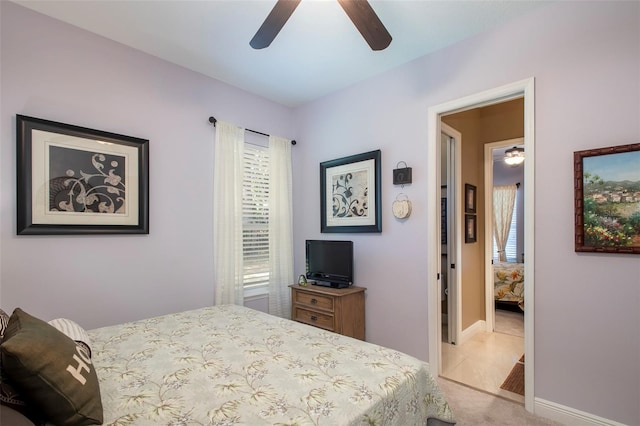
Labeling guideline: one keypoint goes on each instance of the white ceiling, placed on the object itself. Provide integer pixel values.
(318, 51)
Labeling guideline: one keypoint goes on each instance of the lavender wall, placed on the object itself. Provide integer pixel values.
(585, 58)
(54, 71)
(586, 61)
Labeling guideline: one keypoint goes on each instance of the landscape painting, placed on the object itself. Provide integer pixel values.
(608, 199)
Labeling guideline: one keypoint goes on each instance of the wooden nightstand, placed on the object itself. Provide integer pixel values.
(340, 310)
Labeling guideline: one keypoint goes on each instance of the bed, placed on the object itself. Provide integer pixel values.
(231, 365)
(508, 284)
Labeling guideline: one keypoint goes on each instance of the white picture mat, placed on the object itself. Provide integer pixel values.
(41, 141)
(367, 166)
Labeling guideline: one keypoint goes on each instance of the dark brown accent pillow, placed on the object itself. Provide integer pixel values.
(48, 369)
(10, 398)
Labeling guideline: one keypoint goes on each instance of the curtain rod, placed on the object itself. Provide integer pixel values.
(213, 121)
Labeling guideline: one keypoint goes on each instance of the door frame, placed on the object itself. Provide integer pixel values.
(523, 88)
(488, 227)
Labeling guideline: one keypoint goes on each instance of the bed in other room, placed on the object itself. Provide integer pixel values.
(508, 284)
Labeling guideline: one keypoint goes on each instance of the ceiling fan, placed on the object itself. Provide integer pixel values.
(359, 11)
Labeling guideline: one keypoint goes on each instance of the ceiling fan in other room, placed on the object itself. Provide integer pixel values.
(359, 11)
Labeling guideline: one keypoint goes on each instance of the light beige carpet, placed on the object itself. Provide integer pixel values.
(475, 408)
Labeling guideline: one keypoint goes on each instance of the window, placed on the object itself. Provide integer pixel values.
(255, 224)
(512, 246)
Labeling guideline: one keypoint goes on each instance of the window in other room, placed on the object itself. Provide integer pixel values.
(512, 246)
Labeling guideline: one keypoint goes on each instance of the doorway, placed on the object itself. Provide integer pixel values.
(522, 89)
(484, 356)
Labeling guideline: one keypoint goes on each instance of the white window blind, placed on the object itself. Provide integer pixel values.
(255, 213)
(512, 247)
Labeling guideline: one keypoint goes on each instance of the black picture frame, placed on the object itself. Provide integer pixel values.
(607, 199)
(351, 194)
(76, 180)
(469, 198)
(470, 228)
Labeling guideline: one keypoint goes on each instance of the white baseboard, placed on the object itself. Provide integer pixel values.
(569, 416)
(472, 330)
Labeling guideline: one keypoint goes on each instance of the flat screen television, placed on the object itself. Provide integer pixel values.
(329, 263)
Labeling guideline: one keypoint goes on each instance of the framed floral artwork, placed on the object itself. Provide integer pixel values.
(350, 194)
(75, 180)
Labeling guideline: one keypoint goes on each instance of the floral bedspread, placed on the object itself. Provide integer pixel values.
(230, 365)
(508, 282)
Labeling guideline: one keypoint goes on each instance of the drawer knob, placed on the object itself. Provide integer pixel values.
(314, 318)
(314, 301)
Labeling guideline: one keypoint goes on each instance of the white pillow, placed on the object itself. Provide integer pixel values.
(74, 331)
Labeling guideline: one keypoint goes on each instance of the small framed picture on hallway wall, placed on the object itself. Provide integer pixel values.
(470, 228)
(469, 198)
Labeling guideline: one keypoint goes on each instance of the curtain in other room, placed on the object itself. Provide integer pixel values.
(227, 214)
(504, 197)
(280, 227)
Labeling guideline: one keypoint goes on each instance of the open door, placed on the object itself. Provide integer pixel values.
(450, 229)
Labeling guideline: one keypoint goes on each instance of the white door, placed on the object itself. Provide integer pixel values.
(450, 142)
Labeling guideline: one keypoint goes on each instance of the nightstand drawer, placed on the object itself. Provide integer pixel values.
(314, 300)
(313, 318)
(340, 310)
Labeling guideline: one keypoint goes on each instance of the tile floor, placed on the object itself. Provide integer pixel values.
(484, 361)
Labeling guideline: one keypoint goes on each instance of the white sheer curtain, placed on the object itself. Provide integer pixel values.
(280, 227)
(227, 214)
(504, 197)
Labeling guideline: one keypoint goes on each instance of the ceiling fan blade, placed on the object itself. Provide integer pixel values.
(367, 22)
(273, 23)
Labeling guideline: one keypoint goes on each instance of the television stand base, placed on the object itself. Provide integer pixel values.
(328, 284)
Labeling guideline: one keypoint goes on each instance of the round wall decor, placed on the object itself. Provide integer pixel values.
(401, 208)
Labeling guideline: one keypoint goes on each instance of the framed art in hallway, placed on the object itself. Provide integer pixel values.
(350, 194)
(469, 198)
(607, 199)
(75, 180)
(470, 228)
